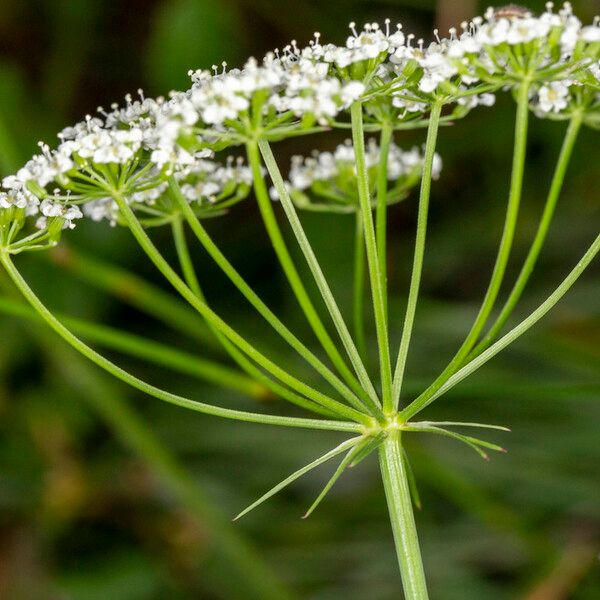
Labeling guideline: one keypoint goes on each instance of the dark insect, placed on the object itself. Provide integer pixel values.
(512, 11)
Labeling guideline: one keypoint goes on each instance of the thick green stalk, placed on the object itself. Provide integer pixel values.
(415, 280)
(397, 492)
(255, 301)
(358, 304)
(283, 255)
(246, 364)
(213, 319)
(420, 403)
(512, 213)
(377, 291)
(381, 215)
(151, 390)
(321, 281)
(540, 236)
(149, 350)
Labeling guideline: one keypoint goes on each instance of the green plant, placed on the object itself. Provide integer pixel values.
(151, 164)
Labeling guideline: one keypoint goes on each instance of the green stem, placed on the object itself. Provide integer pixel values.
(214, 320)
(512, 212)
(185, 260)
(151, 390)
(311, 259)
(379, 302)
(415, 281)
(397, 492)
(283, 255)
(540, 236)
(247, 365)
(382, 207)
(216, 254)
(420, 403)
(359, 287)
(149, 350)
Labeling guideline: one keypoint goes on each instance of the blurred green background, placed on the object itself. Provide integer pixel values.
(106, 494)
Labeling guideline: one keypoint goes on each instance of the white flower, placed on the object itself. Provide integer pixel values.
(370, 43)
(494, 33)
(13, 199)
(350, 92)
(220, 100)
(475, 100)
(437, 68)
(590, 34)
(553, 97)
(410, 106)
(526, 30)
(49, 210)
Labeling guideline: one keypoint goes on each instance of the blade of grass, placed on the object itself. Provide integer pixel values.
(148, 350)
(107, 402)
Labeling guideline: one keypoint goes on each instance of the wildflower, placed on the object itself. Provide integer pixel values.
(553, 97)
(61, 214)
(327, 180)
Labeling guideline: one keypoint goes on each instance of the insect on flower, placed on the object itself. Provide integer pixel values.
(512, 11)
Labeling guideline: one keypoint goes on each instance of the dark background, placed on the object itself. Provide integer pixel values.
(86, 510)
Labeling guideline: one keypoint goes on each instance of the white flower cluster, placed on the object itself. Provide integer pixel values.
(305, 89)
(17, 202)
(207, 185)
(502, 47)
(331, 176)
(299, 90)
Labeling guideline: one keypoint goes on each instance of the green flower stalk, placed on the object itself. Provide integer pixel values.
(156, 163)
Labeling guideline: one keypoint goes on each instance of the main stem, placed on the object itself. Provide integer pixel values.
(415, 280)
(397, 492)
